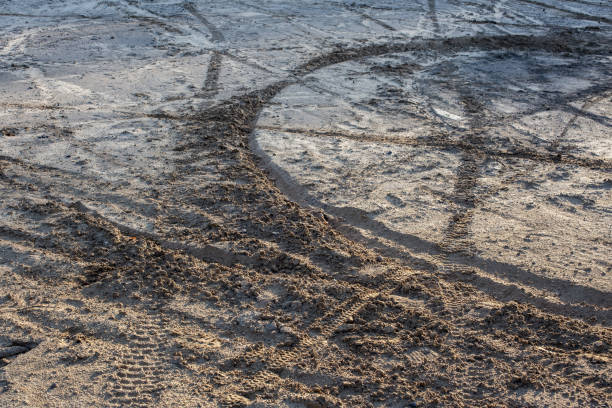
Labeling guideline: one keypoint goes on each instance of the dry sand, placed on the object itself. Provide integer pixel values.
(305, 204)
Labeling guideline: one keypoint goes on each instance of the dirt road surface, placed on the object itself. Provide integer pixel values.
(305, 204)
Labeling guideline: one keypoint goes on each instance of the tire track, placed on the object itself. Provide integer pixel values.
(464, 194)
(142, 374)
(210, 87)
(590, 3)
(474, 151)
(442, 141)
(328, 324)
(284, 361)
(348, 54)
(505, 24)
(267, 363)
(576, 14)
(368, 17)
(140, 366)
(143, 360)
(433, 15)
(77, 16)
(216, 35)
(211, 83)
(570, 123)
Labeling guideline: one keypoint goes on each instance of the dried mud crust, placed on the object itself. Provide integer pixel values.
(278, 306)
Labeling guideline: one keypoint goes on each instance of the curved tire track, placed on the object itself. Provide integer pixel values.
(458, 229)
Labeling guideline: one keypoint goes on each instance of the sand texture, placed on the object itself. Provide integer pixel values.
(290, 203)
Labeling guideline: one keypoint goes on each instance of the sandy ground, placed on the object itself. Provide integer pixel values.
(305, 204)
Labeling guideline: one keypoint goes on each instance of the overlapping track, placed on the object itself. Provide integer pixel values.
(292, 311)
